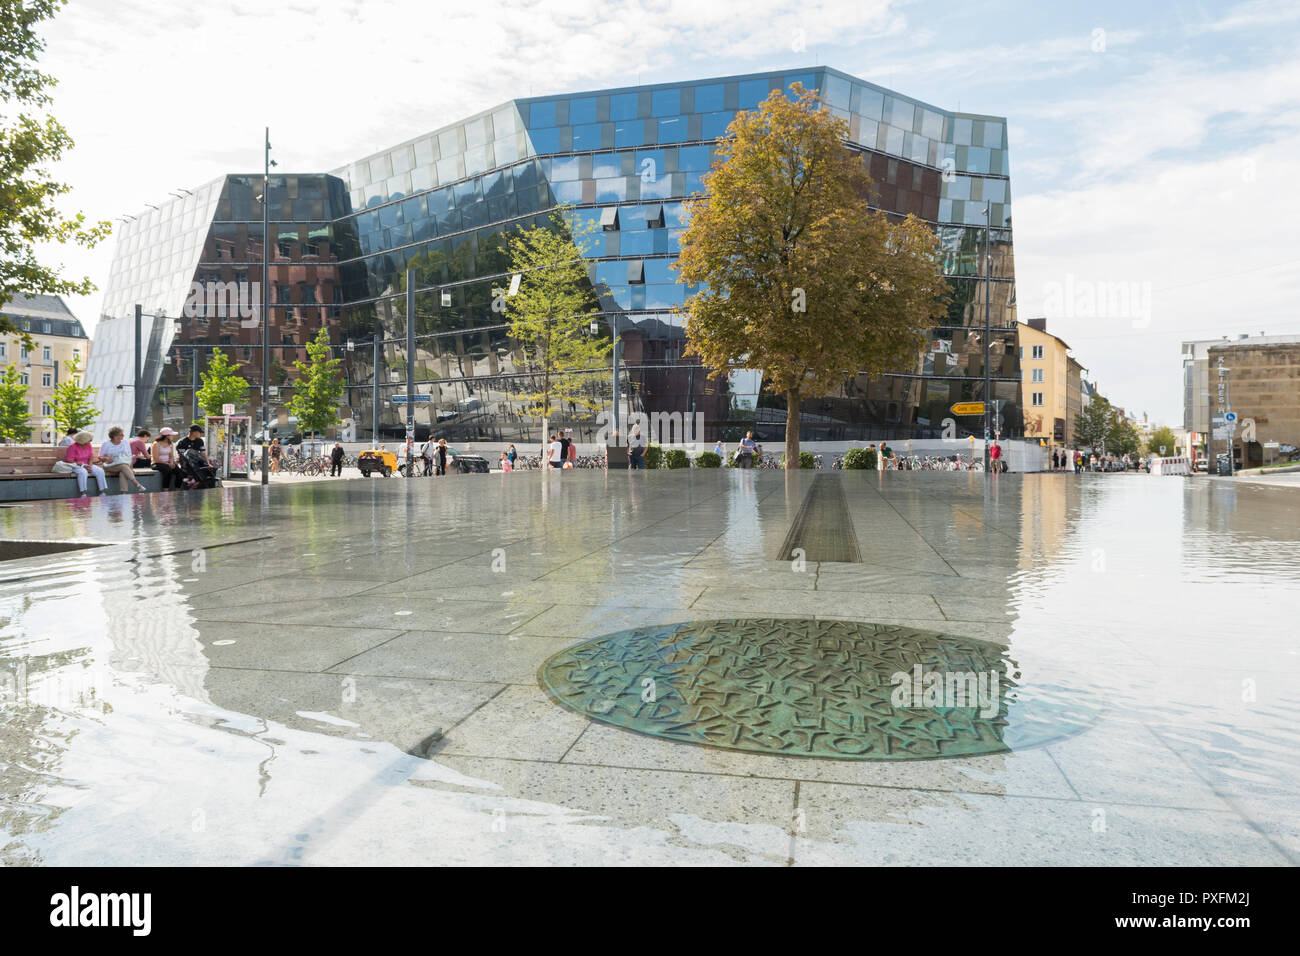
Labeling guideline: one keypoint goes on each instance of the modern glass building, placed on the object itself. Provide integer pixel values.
(627, 161)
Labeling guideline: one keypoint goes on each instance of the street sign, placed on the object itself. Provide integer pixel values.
(419, 399)
(227, 410)
(1220, 434)
(1230, 416)
(1162, 449)
(968, 408)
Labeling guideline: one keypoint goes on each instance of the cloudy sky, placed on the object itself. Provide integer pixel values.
(1155, 146)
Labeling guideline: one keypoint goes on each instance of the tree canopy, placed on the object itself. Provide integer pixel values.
(222, 385)
(799, 278)
(71, 402)
(14, 414)
(31, 140)
(319, 387)
(550, 316)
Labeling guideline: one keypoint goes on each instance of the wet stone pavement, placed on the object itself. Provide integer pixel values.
(334, 673)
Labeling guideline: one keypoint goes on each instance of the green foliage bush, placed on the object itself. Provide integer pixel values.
(708, 459)
(806, 460)
(676, 458)
(654, 456)
(860, 459)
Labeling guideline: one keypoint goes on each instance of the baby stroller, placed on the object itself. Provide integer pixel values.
(196, 472)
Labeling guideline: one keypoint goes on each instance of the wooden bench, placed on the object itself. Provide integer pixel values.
(26, 474)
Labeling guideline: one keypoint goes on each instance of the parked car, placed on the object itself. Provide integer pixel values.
(1200, 464)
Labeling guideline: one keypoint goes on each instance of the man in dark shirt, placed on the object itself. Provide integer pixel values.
(336, 461)
(194, 440)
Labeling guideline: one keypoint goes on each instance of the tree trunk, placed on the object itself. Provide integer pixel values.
(791, 430)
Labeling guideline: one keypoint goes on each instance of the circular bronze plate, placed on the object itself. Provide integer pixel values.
(800, 688)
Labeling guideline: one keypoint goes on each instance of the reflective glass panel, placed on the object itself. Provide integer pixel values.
(708, 99)
(665, 102)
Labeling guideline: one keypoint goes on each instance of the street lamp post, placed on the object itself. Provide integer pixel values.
(613, 333)
(410, 369)
(266, 300)
(988, 327)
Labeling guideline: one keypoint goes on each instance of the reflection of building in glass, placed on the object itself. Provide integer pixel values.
(626, 160)
(60, 341)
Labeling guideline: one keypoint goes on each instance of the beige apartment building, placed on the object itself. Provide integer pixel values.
(59, 339)
(1050, 384)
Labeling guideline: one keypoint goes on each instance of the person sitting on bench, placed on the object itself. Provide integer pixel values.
(79, 461)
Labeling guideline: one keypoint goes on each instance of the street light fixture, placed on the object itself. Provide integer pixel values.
(266, 300)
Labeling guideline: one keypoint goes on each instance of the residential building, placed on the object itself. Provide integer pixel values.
(59, 341)
(1051, 393)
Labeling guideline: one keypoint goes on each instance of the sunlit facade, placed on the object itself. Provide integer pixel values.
(626, 160)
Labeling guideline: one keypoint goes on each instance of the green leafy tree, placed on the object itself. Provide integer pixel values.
(551, 315)
(1163, 435)
(1093, 423)
(799, 277)
(31, 141)
(222, 385)
(72, 401)
(1122, 436)
(13, 407)
(319, 388)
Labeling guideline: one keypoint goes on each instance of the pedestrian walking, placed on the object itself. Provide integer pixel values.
(276, 453)
(635, 449)
(745, 453)
(336, 460)
(426, 456)
(555, 453)
(441, 456)
(512, 455)
(506, 464)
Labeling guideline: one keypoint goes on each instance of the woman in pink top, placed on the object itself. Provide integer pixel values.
(80, 460)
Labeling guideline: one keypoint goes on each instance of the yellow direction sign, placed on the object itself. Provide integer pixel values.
(968, 408)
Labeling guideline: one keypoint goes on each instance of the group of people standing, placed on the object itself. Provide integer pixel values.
(435, 456)
(562, 452)
(1064, 459)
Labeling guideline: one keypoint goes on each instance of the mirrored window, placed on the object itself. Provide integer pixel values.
(708, 99)
(586, 137)
(628, 133)
(753, 92)
(622, 106)
(672, 130)
(715, 124)
(665, 102)
(541, 115)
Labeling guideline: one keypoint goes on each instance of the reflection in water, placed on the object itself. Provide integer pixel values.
(1162, 608)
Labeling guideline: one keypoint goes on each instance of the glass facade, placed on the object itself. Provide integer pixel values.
(627, 161)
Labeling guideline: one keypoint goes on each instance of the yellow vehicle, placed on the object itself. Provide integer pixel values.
(377, 460)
